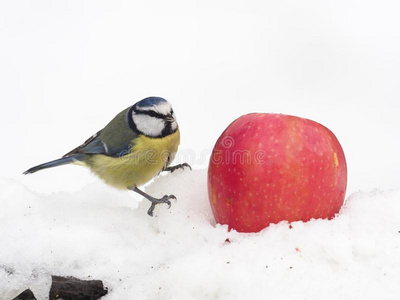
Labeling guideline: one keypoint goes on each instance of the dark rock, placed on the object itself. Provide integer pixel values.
(70, 288)
(25, 295)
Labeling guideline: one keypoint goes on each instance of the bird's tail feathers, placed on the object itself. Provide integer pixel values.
(54, 163)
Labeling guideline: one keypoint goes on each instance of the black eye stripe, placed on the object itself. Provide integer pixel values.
(150, 113)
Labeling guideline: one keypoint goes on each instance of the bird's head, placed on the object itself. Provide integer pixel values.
(153, 117)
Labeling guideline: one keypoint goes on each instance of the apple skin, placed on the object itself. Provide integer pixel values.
(267, 168)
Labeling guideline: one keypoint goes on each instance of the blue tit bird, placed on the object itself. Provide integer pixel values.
(137, 145)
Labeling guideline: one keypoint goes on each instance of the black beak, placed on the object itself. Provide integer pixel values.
(169, 118)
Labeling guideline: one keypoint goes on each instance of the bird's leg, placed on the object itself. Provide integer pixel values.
(180, 166)
(154, 201)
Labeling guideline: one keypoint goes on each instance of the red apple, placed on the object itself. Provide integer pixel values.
(266, 168)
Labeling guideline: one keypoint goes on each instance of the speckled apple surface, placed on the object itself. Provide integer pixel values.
(267, 168)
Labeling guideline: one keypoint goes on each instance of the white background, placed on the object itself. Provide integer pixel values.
(67, 67)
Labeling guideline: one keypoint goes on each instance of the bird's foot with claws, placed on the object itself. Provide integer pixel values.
(180, 166)
(155, 201)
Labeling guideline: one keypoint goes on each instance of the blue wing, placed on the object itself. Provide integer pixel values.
(116, 139)
(92, 145)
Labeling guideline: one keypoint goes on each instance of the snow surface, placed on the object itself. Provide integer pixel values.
(102, 233)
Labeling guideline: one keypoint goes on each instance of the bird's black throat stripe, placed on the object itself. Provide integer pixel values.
(167, 129)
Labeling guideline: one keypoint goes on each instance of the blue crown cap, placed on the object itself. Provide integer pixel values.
(150, 101)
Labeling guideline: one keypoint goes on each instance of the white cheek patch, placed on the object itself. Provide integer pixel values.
(148, 125)
(174, 126)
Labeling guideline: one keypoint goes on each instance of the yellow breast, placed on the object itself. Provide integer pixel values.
(145, 160)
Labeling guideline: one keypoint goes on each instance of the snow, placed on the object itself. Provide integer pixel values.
(102, 233)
